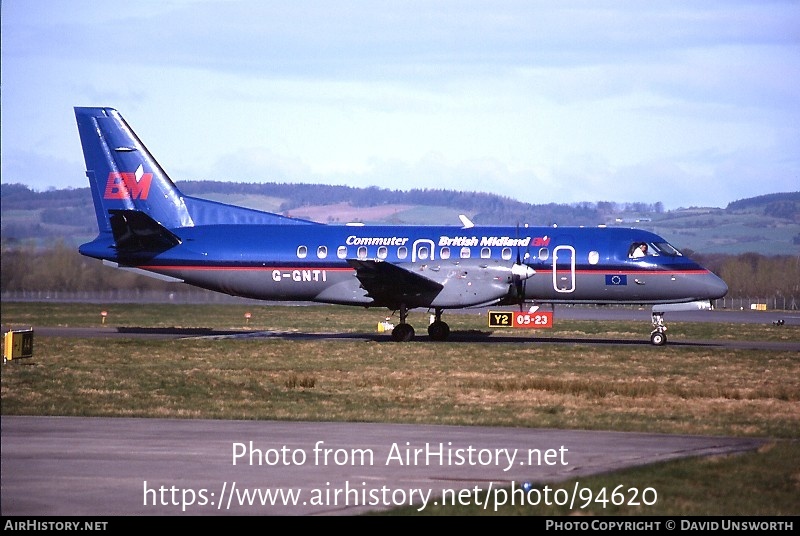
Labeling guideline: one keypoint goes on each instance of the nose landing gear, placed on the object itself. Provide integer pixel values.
(658, 337)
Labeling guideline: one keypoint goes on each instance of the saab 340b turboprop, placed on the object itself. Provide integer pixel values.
(147, 224)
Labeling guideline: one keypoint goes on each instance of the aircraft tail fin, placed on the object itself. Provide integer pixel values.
(124, 176)
(122, 173)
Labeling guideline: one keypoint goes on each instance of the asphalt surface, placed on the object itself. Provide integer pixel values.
(72, 466)
(788, 319)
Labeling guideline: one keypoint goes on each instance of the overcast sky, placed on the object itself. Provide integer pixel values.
(688, 103)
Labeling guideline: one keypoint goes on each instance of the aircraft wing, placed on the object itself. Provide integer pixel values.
(389, 284)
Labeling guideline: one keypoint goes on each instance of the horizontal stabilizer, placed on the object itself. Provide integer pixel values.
(135, 231)
(146, 273)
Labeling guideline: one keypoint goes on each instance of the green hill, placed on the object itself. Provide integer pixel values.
(768, 225)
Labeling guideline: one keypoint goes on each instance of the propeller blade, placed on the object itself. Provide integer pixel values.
(521, 271)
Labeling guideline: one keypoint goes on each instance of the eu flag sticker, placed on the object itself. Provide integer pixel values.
(616, 280)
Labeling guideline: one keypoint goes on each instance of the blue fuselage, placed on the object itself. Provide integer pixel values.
(318, 262)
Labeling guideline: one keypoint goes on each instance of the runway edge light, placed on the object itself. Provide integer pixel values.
(17, 344)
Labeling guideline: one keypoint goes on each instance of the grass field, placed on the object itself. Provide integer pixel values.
(500, 381)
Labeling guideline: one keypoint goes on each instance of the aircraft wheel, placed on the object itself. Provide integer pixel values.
(403, 333)
(658, 338)
(438, 331)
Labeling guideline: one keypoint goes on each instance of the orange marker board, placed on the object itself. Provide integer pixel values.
(511, 319)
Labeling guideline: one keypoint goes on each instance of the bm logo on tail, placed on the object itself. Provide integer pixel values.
(128, 185)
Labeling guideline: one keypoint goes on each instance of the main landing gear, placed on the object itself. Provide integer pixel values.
(658, 336)
(403, 331)
(438, 330)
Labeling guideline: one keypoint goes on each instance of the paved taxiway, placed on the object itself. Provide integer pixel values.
(73, 466)
(790, 319)
(94, 466)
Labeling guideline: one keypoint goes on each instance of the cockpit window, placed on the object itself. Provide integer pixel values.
(654, 249)
(639, 250)
(664, 248)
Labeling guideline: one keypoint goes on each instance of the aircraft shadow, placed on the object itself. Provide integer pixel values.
(472, 336)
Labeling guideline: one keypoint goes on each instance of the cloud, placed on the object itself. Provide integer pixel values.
(42, 171)
(520, 97)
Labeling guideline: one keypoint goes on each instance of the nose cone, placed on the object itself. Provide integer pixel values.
(715, 286)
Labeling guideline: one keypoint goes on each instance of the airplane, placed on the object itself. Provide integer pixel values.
(146, 224)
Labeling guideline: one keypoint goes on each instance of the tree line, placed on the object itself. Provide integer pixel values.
(62, 268)
(58, 213)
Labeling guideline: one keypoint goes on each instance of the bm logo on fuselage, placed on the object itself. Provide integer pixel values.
(128, 185)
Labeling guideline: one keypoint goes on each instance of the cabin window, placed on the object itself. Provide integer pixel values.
(444, 253)
(383, 252)
(342, 252)
(485, 253)
(465, 253)
(506, 253)
(302, 251)
(322, 252)
(362, 252)
(422, 252)
(594, 257)
(402, 252)
(544, 254)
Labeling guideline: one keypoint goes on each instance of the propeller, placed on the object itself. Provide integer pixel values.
(520, 272)
(519, 283)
